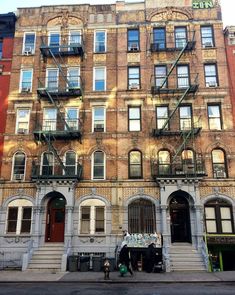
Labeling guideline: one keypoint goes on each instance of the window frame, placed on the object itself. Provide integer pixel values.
(212, 37)
(162, 118)
(53, 122)
(215, 82)
(95, 120)
(164, 166)
(13, 177)
(93, 177)
(184, 76)
(213, 118)
(27, 89)
(105, 41)
(75, 163)
(50, 33)
(77, 81)
(94, 78)
(134, 119)
(42, 165)
(178, 39)
(32, 51)
(138, 84)
(18, 121)
(183, 119)
(223, 169)
(159, 77)
(130, 47)
(159, 48)
(140, 165)
(74, 121)
(56, 88)
(79, 33)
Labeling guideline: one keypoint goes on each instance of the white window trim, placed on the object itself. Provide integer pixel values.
(78, 77)
(53, 32)
(57, 76)
(53, 162)
(92, 166)
(66, 118)
(23, 48)
(94, 76)
(92, 216)
(93, 117)
(105, 40)
(76, 160)
(19, 217)
(79, 32)
(13, 165)
(43, 118)
(21, 79)
(17, 120)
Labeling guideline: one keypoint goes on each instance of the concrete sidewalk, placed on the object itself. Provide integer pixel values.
(98, 277)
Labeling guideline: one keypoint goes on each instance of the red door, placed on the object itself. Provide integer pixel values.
(55, 220)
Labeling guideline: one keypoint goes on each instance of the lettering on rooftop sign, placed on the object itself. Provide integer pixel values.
(200, 4)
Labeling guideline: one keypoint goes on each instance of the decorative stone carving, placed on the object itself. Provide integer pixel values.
(133, 57)
(99, 58)
(209, 54)
(169, 14)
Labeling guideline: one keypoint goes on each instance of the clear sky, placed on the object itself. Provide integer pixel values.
(228, 6)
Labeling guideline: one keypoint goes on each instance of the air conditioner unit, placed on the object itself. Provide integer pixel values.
(211, 84)
(25, 89)
(134, 86)
(18, 176)
(99, 127)
(208, 44)
(28, 51)
(220, 174)
(21, 131)
(133, 47)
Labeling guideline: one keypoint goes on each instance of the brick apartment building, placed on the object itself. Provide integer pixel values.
(119, 118)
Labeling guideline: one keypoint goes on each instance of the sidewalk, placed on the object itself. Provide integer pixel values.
(98, 277)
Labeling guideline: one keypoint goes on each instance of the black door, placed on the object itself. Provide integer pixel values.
(180, 220)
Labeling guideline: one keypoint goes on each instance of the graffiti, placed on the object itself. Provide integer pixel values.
(199, 4)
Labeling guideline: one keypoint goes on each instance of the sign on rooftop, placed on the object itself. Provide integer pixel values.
(202, 4)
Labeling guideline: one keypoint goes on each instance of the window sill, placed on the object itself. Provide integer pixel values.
(100, 52)
(17, 235)
(92, 235)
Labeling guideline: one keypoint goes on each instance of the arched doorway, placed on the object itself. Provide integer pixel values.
(180, 219)
(55, 221)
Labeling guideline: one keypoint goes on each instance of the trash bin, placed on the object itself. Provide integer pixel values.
(97, 263)
(112, 262)
(84, 263)
(73, 263)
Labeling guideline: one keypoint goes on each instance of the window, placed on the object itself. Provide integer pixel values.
(135, 164)
(141, 217)
(133, 40)
(98, 119)
(18, 166)
(218, 163)
(162, 116)
(92, 217)
(98, 165)
(70, 163)
(180, 37)
(187, 157)
(52, 80)
(214, 116)
(100, 41)
(160, 75)
(72, 118)
(73, 77)
(134, 115)
(75, 38)
(26, 80)
(1, 48)
(19, 217)
(22, 121)
(99, 79)
(29, 43)
(183, 76)
(47, 167)
(54, 41)
(164, 163)
(49, 119)
(133, 78)
(211, 79)
(218, 217)
(185, 113)
(207, 36)
(159, 38)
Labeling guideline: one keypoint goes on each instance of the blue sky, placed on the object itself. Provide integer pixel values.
(228, 6)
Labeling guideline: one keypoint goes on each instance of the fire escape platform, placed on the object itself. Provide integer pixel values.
(42, 135)
(161, 90)
(61, 93)
(62, 50)
(163, 132)
(154, 47)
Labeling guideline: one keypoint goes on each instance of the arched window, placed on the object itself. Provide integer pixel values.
(135, 164)
(219, 164)
(19, 216)
(187, 157)
(18, 166)
(98, 167)
(141, 217)
(164, 162)
(47, 167)
(70, 163)
(92, 216)
(218, 217)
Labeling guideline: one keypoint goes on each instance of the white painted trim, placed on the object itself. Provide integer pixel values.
(21, 78)
(13, 165)
(17, 120)
(105, 40)
(93, 116)
(92, 166)
(23, 47)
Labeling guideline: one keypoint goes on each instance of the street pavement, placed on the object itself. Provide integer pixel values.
(98, 277)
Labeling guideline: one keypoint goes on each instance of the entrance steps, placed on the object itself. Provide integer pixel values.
(47, 257)
(184, 257)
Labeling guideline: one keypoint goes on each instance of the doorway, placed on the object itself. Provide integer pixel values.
(180, 220)
(55, 221)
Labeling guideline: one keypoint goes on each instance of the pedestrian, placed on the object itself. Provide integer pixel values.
(124, 258)
(106, 268)
(150, 258)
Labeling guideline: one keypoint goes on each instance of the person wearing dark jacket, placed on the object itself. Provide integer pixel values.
(150, 258)
(124, 258)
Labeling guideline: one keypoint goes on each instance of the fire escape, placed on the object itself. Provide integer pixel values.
(60, 125)
(175, 166)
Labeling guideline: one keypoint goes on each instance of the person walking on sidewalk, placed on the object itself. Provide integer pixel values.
(124, 258)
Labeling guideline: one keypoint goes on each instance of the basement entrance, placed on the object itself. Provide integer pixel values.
(55, 221)
(180, 219)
